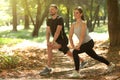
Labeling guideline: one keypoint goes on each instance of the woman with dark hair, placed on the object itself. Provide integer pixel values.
(55, 27)
(85, 43)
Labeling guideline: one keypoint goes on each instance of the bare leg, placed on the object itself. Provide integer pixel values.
(50, 55)
(49, 52)
(50, 47)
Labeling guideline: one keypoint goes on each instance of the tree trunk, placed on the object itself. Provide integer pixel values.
(113, 26)
(67, 19)
(26, 25)
(89, 20)
(28, 12)
(39, 19)
(105, 13)
(95, 17)
(98, 22)
(14, 13)
(37, 26)
(26, 22)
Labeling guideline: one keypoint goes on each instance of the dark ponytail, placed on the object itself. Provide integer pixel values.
(81, 11)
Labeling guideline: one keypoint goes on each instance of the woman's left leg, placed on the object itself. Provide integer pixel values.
(93, 54)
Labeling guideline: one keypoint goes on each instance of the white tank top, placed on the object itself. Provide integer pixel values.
(77, 31)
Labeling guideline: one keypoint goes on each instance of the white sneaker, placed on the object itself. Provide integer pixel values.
(110, 67)
(75, 74)
(83, 64)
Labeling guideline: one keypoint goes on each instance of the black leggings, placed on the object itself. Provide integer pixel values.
(88, 48)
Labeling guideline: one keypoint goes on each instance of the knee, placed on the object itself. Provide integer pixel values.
(75, 53)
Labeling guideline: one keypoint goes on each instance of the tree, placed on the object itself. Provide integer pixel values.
(14, 13)
(39, 18)
(26, 16)
(93, 16)
(113, 22)
(41, 13)
(26, 21)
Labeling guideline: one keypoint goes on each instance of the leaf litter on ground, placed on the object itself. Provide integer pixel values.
(33, 58)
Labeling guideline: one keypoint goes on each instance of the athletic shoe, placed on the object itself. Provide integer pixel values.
(75, 74)
(83, 64)
(45, 71)
(110, 67)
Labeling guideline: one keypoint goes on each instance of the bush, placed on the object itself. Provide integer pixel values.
(8, 61)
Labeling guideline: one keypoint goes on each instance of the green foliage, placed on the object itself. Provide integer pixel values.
(9, 37)
(5, 16)
(63, 9)
(101, 29)
(9, 41)
(8, 61)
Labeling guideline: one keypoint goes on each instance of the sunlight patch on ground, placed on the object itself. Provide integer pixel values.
(27, 43)
(58, 69)
(97, 66)
(22, 46)
(99, 36)
(5, 28)
(111, 77)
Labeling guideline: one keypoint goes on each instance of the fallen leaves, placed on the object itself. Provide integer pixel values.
(33, 58)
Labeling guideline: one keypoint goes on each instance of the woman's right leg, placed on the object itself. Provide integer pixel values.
(69, 53)
(76, 59)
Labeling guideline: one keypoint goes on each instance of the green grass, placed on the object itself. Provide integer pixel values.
(21, 34)
(101, 29)
(10, 38)
(9, 41)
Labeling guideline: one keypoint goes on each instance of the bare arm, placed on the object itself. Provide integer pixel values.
(48, 33)
(57, 33)
(71, 35)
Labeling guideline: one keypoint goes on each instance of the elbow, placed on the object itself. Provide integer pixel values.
(58, 33)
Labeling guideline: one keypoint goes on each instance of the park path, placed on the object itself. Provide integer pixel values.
(62, 65)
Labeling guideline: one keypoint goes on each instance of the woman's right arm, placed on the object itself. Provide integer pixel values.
(71, 35)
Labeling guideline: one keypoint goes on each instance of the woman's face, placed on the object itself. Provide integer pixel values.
(77, 14)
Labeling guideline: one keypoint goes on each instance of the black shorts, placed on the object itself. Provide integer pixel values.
(64, 44)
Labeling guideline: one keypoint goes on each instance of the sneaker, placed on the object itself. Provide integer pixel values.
(83, 64)
(45, 71)
(75, 74)
(110, 67)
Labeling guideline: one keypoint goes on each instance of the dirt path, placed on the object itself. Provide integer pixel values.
(34, 59)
